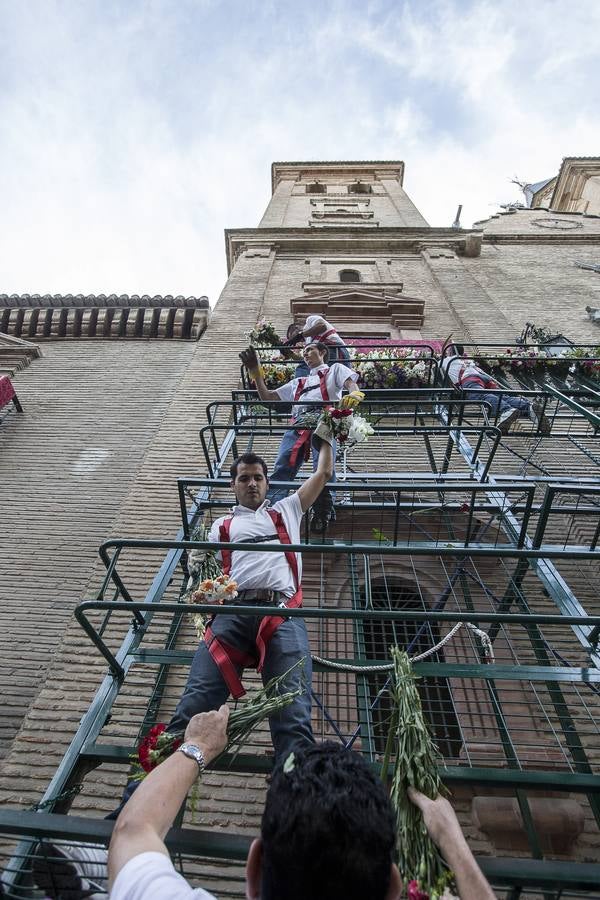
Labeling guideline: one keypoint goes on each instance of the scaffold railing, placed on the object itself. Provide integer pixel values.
(471, 525)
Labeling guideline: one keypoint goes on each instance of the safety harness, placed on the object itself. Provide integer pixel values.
(303, 440)
(224, 655)
(323, 338)
(478, 381)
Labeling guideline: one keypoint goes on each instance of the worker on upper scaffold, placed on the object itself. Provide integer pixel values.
(324, 383)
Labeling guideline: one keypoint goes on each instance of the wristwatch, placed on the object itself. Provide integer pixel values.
(196, 753)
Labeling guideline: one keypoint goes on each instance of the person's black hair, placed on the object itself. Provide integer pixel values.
(293, 330)
(328, 828)
(248, 459)
(459, 349)
(321, 347)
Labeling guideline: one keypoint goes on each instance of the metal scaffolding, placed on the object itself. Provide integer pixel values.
(440, 519)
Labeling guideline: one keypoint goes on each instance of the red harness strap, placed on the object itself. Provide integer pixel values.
(270, 624)
(304, 436)
(480, 381)
(323, 337)
(224, 655)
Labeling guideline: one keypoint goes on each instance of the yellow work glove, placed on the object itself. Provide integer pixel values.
(351, 400)
(250, 359)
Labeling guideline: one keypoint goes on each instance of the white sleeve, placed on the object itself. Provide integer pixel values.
(342, 373)
(214, 536)
(287, 391)
(152, 875)
(314, 320)
(291, 508)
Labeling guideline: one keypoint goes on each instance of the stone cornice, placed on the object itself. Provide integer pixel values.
(309, 171)
(571, 169)
(344, 240)
(60, 316)
(23, 301)
(529, 237)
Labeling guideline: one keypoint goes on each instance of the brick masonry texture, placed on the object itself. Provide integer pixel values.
(66, 466)
(69, 400)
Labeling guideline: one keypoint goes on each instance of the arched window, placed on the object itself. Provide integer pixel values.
(316, 187)
(359, 187)
(415, 637)
(350, 275)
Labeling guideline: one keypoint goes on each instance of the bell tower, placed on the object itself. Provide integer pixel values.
(344, 240)
(329, 195)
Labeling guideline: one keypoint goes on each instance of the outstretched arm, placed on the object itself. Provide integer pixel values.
(150, 812)
(313, 486)
(354, 397)
(250, 359)
(445, 831)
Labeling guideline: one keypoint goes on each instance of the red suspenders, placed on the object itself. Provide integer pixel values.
(475, 380)
(323, 337)
(303, 440)
(224, 655)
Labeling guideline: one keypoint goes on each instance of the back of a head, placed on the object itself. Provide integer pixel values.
(327, 829)
(459, 350)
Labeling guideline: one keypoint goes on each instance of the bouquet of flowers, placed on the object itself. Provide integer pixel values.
(422, 867)
(206, 583)
(342, 423)
(264, 335)
(158, 743)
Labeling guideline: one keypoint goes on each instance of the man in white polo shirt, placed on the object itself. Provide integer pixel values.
(327, 830)
(324, 383)
(233, 642)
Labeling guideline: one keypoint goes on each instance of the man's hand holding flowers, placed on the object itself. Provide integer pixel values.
(352, 400)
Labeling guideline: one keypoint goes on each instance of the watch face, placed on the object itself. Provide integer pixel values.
(195, 753)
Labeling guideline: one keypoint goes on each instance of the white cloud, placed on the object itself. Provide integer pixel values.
(134, 134)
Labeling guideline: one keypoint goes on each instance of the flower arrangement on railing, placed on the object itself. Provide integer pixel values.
(589, 368)
(525, 361)
(392, 367)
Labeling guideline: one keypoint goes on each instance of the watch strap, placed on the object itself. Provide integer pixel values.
(194, 752)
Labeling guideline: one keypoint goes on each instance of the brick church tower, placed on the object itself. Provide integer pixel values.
(134, 408)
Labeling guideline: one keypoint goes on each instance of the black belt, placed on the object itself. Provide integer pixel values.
(259, 595)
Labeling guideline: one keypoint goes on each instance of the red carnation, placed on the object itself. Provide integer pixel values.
(147, 744)
(340, 413)
(415, 893)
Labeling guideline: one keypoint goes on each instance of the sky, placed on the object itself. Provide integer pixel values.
(133, 133)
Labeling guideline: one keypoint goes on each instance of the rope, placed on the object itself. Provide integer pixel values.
(66, 795)
(488, 652)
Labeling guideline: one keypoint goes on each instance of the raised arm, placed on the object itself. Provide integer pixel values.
(255, 371)
(316, 328)
(312, 487)
(149, 813)
(445, 831)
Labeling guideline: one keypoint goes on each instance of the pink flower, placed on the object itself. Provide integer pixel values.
(415, 892)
